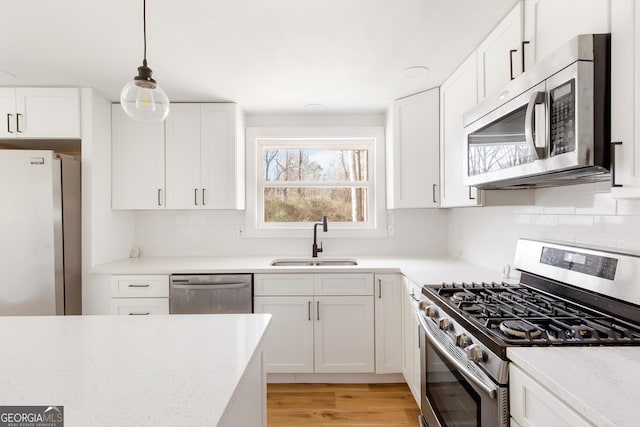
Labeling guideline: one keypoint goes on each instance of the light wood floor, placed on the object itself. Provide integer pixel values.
(340, 405)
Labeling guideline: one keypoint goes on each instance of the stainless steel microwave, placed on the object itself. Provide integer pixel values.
(549, 126)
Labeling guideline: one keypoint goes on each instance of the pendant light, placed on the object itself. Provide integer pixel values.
(142, 99)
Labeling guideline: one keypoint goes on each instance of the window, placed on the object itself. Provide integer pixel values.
(302, 174)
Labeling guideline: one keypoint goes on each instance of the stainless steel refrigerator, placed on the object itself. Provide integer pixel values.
(40, 270)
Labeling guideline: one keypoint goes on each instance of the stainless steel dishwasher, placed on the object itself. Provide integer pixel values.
(211, 293)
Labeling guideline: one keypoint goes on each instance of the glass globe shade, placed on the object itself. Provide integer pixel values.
(143, 103)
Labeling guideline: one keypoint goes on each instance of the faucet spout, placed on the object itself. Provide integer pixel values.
(315, 250)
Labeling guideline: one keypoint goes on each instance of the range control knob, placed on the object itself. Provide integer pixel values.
(475, 353)
(463, 340)
(431, 311)
(444, 324)
(422, 305)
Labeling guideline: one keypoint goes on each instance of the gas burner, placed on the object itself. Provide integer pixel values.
(519, 328)
(463, 296)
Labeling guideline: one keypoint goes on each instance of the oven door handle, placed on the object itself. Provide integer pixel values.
(490, 390)
(529, 117)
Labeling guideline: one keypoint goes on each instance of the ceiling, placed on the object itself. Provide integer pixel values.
(270, 56)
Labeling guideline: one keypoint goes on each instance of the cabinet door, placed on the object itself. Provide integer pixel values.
(388, 323)
(499, 55)
(410, 346)
(343, 334)
(47, 113)
(625, 96)
(184, 189)
(283, 284)
(532, 405)
(551, 23)
(413, 152)
(289, 342)
(222, 157)
(8, 111)
(137, 169)
(459, 94)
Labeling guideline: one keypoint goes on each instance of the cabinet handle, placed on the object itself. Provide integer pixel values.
(318, 310)
(18, 122)
(203, 199)
(379, 288)
(309, 311)
(9, 122)
(433, 193)
(138, 285)
(511, 52)
(470, 196)
(195, 197)
(524, 43)
(613, 164)
(139, 314)
(159, 196)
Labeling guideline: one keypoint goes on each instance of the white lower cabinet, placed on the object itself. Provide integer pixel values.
(139, 294)
(312, 332)
(289, 344)
(410, 338)
(532, 405)
(388, 323)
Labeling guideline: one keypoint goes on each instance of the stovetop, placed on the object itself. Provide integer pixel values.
(517, 315)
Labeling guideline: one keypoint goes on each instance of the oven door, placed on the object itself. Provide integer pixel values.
(452, 395)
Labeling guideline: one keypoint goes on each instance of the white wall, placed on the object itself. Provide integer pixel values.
(582, 214)
(106, 235)
(214, 233)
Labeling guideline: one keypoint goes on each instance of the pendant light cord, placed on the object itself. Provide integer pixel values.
(144, 30)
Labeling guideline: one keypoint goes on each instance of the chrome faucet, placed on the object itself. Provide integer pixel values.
(315, 250)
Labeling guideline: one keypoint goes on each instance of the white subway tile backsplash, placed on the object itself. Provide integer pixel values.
(595, 204)
(576, 220)
(545, 220)
(521, 219)
(628, 207)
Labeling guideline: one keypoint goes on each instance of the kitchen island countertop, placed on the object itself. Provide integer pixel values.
(124, 370)
(599, 383)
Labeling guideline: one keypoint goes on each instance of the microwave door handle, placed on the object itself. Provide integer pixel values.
(489, 390)
(529, 117)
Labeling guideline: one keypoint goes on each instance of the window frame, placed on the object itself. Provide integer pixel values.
(258, 137)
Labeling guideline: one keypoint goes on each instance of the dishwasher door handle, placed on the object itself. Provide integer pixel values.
(210, 286)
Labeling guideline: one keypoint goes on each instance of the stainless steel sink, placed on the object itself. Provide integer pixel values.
(312, 262)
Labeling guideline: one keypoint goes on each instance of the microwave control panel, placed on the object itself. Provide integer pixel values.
(562, 117)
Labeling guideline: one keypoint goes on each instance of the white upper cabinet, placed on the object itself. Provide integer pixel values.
(625, 96)
(549, 24)
(412, 151)
(222, 156)
(40, 113)
(500, 54)
(457, 95)
(204, 159)
(137, 162)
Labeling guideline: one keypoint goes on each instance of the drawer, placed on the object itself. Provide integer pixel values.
(343, 284)
(139, 286)
(283, 284)
(139, 306)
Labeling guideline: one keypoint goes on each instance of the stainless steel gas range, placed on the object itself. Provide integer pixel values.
(566, 295)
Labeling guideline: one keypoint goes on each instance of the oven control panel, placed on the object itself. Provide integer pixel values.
(593, 265)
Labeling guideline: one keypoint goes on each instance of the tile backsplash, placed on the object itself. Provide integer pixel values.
(582, 214)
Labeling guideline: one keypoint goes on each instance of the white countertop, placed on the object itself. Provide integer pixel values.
(420, 270)
(600, 383)
(126, 371)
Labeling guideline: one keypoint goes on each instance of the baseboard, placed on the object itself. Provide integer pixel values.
(335, 378)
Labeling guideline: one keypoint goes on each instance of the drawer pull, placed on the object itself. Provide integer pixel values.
(139, 314)
(138, 285)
